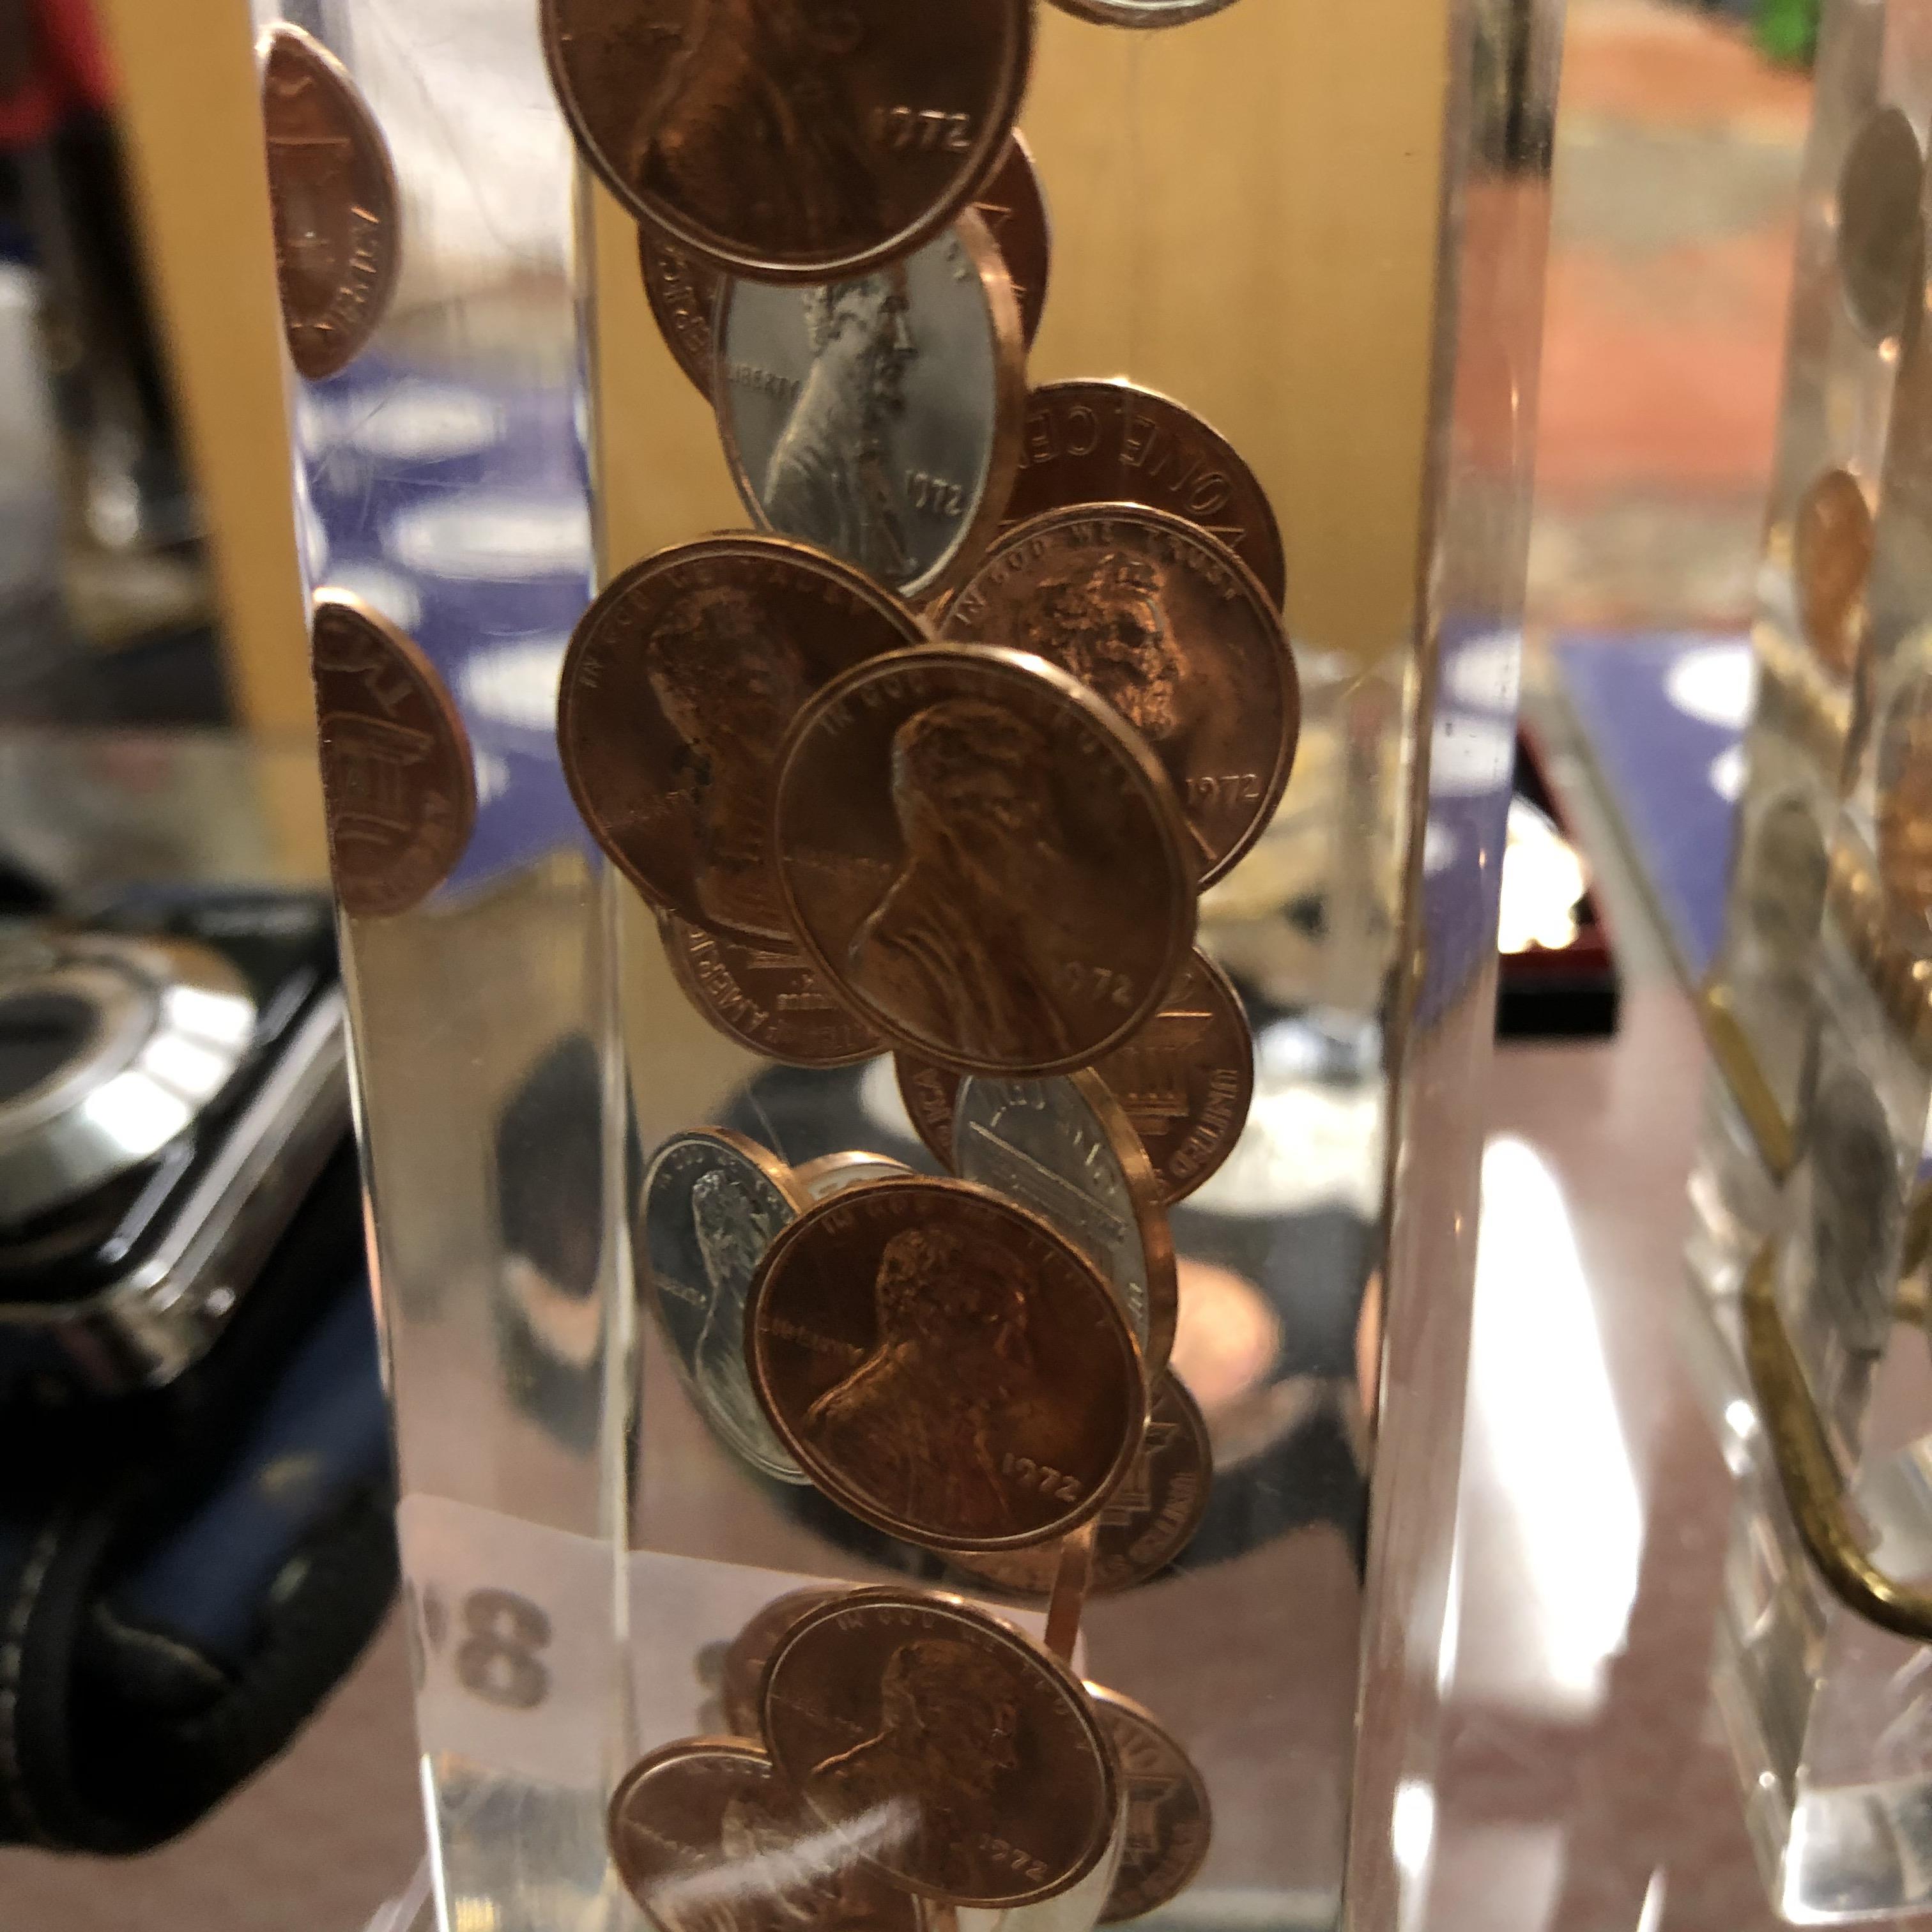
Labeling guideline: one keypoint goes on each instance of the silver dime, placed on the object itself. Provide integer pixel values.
(713, 1202)
(832, 1174)
(879, 418)
(1064, 1148)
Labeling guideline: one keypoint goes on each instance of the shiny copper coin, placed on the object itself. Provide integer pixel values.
(1171, 629)
(678, 686)
(708, 1837)
(767, 997)
(945, 1366)
(750, 1650)
(987, 864)
(682, 290)
(1186, 1081)
(952, 1752)
(787, 139)
(1170, 1823)
(832, 1174)
(332, 198)
(1904, 787)
(1013, 207)
(398, 784)
(1145, 1523)
(1114, 443)
(1830, 559)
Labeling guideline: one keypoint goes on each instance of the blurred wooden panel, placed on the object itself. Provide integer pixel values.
(194, 139)
(1245, 215)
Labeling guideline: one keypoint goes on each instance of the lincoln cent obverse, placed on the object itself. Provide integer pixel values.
(788, 139)
(987, 863)
(677, 689)
(332, 197)
(705, 1834)
(1145, 1523)
(1170, 628)
(949, 1750)
(945, 1366)
(398, 783)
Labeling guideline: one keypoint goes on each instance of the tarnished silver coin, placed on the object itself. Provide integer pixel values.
(879, 418)
(713, 1202)
(832, 1174)
(1065, 1148)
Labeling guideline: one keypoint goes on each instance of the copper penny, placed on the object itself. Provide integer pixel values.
(1881, 231)
(1171, 629)
(1013, 206)
(987, 863)
(1170, 1823)
(953, 1753)
(708, 1837)
(788, 139)
(767, 997)
(1830, 559)
(880, 417)
(1904, 787)
(683, 289)
(1064, 1148)
(832, 1174)
(332, 198)
(1186, 1080)
(676, 691)
(398, 785)
(750, 1650)
(945, 1366)
(1145, 1523)
(1115, 442)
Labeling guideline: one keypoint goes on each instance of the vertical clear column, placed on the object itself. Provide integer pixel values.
(442, 482)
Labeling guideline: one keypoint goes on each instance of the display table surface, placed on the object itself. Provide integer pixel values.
(1582, 1759)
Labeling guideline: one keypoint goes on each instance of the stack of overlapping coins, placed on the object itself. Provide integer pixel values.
(945, 746)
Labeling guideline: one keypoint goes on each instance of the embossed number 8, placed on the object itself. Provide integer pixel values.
(495, 1660)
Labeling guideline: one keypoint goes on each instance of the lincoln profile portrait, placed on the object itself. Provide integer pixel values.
(946, 1742)
(727, 683)
(949, 1379)
(960, 949)
(829, 479)
(748, 131)
(1106, 622)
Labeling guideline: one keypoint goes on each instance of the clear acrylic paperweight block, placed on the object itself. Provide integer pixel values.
(1319, 230)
